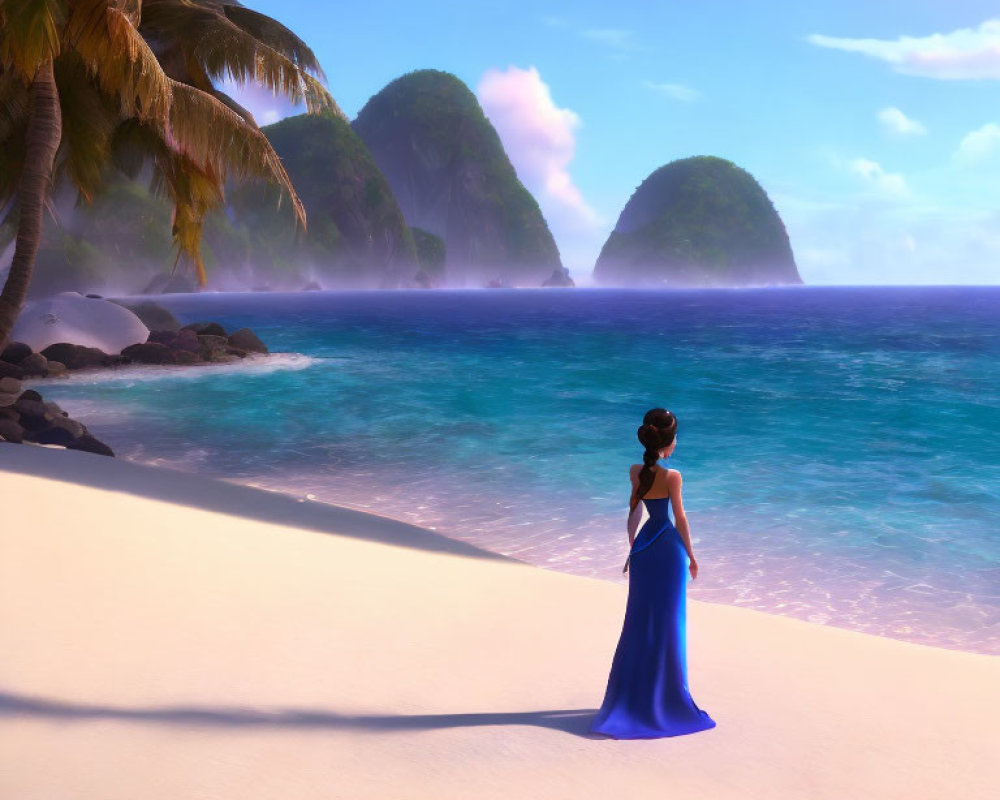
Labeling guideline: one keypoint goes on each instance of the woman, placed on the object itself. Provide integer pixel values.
(647, 695)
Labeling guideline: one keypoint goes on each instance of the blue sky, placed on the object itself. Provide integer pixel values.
(873, 126)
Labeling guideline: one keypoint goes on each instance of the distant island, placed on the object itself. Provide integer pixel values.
(417, 192)
(356, 235)
(700, 221)
(452, 177)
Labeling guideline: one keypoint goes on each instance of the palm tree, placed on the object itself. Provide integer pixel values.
(90, 85)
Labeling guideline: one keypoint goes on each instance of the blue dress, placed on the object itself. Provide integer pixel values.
(647, 695)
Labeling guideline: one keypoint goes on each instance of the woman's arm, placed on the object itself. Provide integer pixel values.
(634, 507)
(674, 483)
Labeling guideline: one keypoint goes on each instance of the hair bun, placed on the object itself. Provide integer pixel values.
(658, 429)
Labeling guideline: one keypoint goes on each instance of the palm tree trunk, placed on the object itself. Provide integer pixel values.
(43, 136)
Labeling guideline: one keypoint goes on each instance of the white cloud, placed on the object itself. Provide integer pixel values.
(979, 145)
(896, 122)
(675, 91)
(539, 138)
(265, 106)
(967, 53)
(888, 183)
(869, 241)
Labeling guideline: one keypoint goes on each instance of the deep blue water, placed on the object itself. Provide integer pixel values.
(840, 445)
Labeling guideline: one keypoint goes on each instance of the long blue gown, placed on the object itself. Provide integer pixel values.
(647, 695)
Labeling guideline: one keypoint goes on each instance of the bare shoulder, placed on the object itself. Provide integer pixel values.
(674, 477)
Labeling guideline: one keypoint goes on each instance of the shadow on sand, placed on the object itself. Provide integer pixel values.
(574, 721)
(210, 494)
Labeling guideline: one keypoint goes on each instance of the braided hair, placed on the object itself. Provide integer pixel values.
(658, 430)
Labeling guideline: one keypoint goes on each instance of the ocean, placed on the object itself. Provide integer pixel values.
(840, 446)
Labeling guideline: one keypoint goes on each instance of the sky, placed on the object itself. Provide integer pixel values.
(874, 127)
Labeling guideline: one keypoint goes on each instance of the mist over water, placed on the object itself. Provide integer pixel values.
(839, 445)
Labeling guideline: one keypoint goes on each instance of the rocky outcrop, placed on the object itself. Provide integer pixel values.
(698, 222)
(560, 277)
(451, 177)
(26, 417)
(196, 343)
(153, 315)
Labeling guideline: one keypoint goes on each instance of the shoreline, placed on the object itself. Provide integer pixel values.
(174, 635)
(359, 509)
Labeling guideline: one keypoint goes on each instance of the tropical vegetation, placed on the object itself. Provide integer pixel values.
(89, 87)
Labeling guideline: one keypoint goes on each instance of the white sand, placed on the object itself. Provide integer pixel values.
(167, 637)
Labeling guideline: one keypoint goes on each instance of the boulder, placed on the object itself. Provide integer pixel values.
(7, 399)
(55, 369)
(11, 431)
(71, 426)
(10, 385)
(8, 370)
(53, 435)
(33, 413)
(153, 315)
(209, 328)
(35, 364)
(75, 356)
(246, 339)
(89, 444)
(213, 348)
(186, 357)
(162, 337)
(15, 352)
(149, 353)
(185, 339)
(55, 408)
(71, 317)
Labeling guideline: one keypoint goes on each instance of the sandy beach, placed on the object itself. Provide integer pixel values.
(168, 636)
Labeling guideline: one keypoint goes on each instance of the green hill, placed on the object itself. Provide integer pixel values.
(699, 221)
(451, 177)
(356, 235)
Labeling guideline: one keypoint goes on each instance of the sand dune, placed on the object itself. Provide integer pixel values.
(170, 636)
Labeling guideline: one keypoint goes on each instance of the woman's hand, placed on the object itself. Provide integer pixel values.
(694, 569)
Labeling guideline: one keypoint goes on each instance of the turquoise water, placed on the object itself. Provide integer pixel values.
(839, 445)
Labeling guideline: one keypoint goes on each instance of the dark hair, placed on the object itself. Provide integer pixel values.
(658, 430)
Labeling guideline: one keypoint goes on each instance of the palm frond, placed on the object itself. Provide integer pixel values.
(131, 9)
(117, 55)
(195, 190)
(210, 133)
(30, 34)
(275, 35)
(213, 44)
(89, 119)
